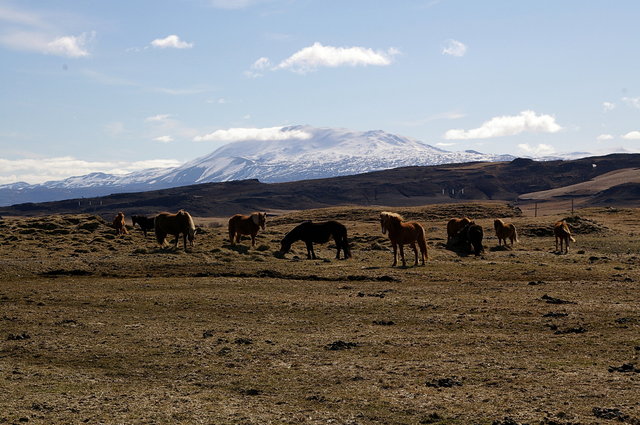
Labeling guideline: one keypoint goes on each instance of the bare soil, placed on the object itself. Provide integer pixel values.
(98, 328)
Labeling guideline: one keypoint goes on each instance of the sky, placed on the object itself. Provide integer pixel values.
(120, 86)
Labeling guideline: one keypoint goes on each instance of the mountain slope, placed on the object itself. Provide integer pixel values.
(291, 154)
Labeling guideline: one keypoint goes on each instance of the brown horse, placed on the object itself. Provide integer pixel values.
(246, 225)
(504, 231)
(175, 224)
(454, 226)
(119, 225)
(400, 233)
(563, 234)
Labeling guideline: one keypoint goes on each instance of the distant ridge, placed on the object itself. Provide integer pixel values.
(405, 186)
(294, 153)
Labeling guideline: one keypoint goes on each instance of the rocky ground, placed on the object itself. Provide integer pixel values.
(99, 328)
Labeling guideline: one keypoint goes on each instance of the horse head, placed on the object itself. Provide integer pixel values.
(260, 219)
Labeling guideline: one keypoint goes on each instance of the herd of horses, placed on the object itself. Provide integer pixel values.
(462, 233)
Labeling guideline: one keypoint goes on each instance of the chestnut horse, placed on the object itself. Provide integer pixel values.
(246, 225)
(563, 234)
(119, 225)
(504, 231)
(145, 223)
(310, 232)
(454, 226)
(400, 233)
(175, 224)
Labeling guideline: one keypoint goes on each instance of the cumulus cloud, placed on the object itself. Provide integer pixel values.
(632, 135)
(258, 67)
(526, 121)
(632, 101)
(164, 139)
(608, 106)
(234, 4)
(39, 170)
(171, 41)
(66, 46)
(316, 56)
(604, 137)
(454, 48)
(261, 134)
(539, 150)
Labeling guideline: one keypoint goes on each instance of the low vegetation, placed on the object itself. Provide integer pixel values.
(99, 328)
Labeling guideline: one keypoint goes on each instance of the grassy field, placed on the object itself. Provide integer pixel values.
(97, 328)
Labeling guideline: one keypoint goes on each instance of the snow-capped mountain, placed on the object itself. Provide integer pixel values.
(289, 154)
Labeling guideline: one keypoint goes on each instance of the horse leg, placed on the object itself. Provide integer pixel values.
(253, 239)
(404, 263)
(415, 252)
(310, 250)
(395, 254)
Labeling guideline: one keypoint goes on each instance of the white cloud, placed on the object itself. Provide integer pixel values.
(632, 135)
(608, 106)
(454, 48)
(316, 56)
(164, 139)
(39, 170)
(526, 121)
(158, 118)
(604, 137)
(632, 101)
(234, 4)
(539, 150)
(257, 67)
(171, 41)
(262, 134)
(445, 145)
(67, 46)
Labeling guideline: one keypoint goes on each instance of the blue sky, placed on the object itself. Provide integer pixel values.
(124, 85)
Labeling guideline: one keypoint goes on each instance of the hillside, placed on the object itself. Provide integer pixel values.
(401, 186)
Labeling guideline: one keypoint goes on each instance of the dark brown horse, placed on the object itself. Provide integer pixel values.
(119, 225)
(246, 225)
(454, 226)
(504, 231)
(175, 224)
(563, 234)
(311, 233)
(145, 223)
(400, 233)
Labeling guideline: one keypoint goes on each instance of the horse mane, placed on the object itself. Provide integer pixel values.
(387, 215)
(190, 224)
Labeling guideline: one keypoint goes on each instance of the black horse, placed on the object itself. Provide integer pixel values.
(471, 235)
(310, 232)
(145, 223)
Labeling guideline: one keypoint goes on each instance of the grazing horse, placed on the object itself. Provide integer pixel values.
(145, 223)
(119, 225)
(175, 224)
(471, 235)
(454, 226)
(563, 234)
(311, 233)
(400, 233)
(246, 225)
(504, 231)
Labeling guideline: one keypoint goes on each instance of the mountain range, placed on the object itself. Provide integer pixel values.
(290, 154)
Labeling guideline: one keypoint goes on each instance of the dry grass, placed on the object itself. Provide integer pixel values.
(102, 329)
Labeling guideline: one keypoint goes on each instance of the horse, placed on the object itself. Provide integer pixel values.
(119, 225)
(311, 233)
(246, 225)
(400, 233)
(563, 234)
(145, 223)
(471, 235)
(175, 224)
(504, 231)
(454, 225)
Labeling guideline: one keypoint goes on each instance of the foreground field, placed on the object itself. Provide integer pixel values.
(96, 328)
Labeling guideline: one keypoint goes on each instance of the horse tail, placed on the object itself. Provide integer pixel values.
(191, 227)
(422, 241)
(345, 244)
(232, 228)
